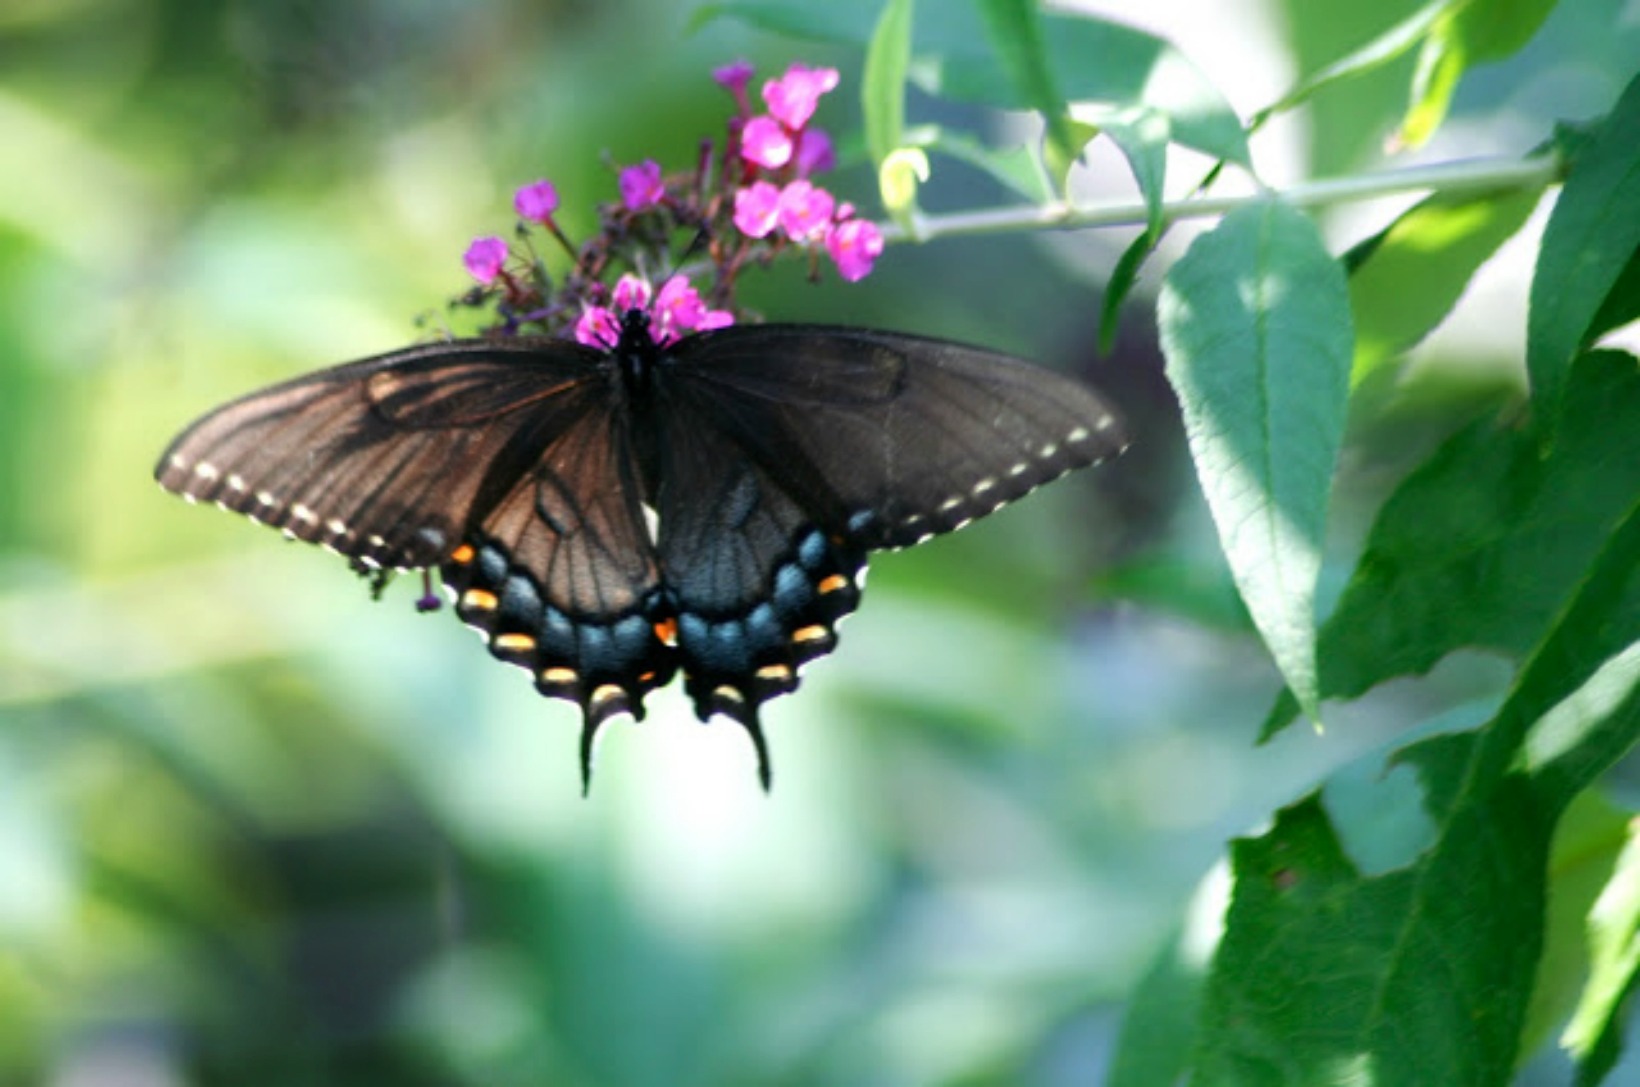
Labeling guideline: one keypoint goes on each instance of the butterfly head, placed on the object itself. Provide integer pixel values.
(634, 328)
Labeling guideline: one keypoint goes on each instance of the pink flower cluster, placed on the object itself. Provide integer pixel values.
(783, 145)
(677, 309)
(759, 201)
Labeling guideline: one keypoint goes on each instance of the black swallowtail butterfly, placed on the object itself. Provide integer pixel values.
(608, 518)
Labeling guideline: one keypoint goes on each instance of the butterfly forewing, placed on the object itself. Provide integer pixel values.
(383, 460)
(888, 438)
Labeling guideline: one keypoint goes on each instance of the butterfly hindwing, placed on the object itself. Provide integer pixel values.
(756, 581)
(561, 576)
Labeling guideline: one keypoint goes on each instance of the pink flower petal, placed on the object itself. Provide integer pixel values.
(764, 143)
(641, 185)
(536, 201)
(484, 257)
(793, 97)
(757, 209)
(678, 309)
(855, 246)
(631, 292)
(805, 211)
(598, 327)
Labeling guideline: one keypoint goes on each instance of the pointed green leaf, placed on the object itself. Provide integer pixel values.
(1256, 329)
(1464, 35)
(1406, 279)
(1016, 39)
(1383, 48)
(882, 85)
(1120, 285)
(1441, 64)
(1494, 29)
(1592, 236)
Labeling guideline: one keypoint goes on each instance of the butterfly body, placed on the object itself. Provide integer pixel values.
(609, 518)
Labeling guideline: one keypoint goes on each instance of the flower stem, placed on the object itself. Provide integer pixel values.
(1464, 176)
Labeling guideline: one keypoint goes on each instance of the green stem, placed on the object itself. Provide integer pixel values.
(1468, 175)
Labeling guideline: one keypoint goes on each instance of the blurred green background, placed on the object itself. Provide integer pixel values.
(256, 829)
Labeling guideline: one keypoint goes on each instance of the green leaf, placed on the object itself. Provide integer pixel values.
(1441, 65)
(1142, 135)
(1483, 544)
(1495, 29)
(882, 85)
(1422, 973)
(1622, 305)
(1255, 325)
(1594, 1035)
(1406, 279)
(1120, 285)
(1016, 39)
(1350, 103)
(1466, 34)
(1592, 236)
(1094, 64)
(1389, 45)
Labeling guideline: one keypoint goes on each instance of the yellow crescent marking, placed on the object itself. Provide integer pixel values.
(479, 600)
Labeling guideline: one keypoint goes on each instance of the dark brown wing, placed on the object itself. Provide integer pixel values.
(388, 460)
(889, 438)
(505, 463)
(789, 451)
